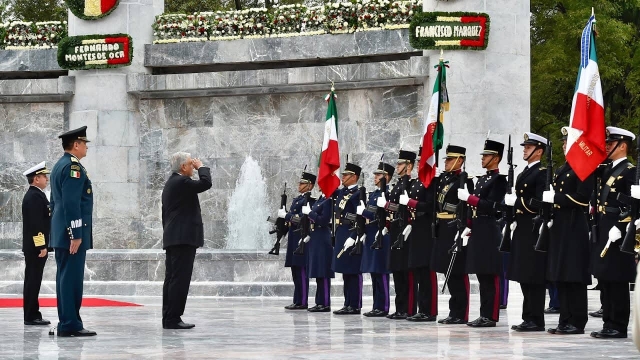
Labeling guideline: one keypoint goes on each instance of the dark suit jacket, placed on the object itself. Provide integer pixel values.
(36, 221)
(181, 216)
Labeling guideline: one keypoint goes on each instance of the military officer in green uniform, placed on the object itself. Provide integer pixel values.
(72, 206)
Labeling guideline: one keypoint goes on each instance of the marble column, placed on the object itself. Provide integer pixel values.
(488, 89)
(101, 102)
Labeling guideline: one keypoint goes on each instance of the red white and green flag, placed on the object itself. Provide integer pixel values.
(586, 132)
(328, 179)
(432, 136)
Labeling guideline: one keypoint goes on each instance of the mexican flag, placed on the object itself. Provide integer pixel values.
(432, 136)
(586, 131)
(98, 7)
(328, 179)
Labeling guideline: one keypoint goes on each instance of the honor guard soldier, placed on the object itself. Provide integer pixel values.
(447, 198)
(568, 252)
(528, 266)
(36, 225)
(420, 203)
(298, 263)
(613, 268)
(375, 256)
(483, 257)
(71, 229)
(346, 203)
(320, 251)
(399, 254)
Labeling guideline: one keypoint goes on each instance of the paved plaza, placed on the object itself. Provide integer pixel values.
(259, 328)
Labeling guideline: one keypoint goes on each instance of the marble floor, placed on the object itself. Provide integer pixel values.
(259, 328)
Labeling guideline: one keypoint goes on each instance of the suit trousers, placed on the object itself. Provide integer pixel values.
(323, 291)
(352, 290)
(489, 296)
(425, 284)
(403, 281)
(69, 287)
(300, 285)
(573, 304)
(554, 301)
(177, 278)
(533, 303)
(459, 302)
(34, 267)
(380, 285)
(616, 305)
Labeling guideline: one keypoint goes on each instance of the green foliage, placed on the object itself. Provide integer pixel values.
(556, 27)
(37, 10)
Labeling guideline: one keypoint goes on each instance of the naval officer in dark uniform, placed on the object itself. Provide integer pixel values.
(71, 229)
(36, 226)
(374, 261)
(483, 257)
(527, 266)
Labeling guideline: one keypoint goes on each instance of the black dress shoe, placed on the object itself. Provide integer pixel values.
(569, 330)
(597, 314)
(37, 322)
(420, 317)
(341, 311)
(609, 334)
(502, 307)
(513, 327)
(352, 311)
(79, 333)
(319, 308)
(376, 313)
(397, 316)
(552, 330)
(299, 307)
(528, 326)
(552, 310)
(180, 325)
(289, 307)
(482, 322)
(452, 321)
(442, 321)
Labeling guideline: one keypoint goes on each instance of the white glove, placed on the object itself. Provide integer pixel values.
(465, 236)
(635, 191)
(306, 239)
(306, 209)
(510, 199)
(550, 224)
(438, 172)
(282, 213)
(637, 223)
(463, 194)
(548, 196)
(614, 234)
(385, 231)
(381, 201)
(360, 209)
(348, 243)
(407, 232)
(404, 199)
(514, 225)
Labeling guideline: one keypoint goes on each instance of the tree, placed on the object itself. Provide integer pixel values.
(556, 27)
(38, 10)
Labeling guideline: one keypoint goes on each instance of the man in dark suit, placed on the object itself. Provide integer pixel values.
(183, 233)
(36, 225)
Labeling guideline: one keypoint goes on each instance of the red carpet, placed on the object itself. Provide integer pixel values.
(52, 302)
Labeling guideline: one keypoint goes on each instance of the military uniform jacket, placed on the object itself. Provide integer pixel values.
(71, 204)
(398, 258)
(447, 197)
(293, 236)
(36, 221)
(181, 214)
(527, 265)
(615, 266)
(420, 208)
(346, 201)
(568, 253)
(483, 256)
(319, 247)
(374, 260)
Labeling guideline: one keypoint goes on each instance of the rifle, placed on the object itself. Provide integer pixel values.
(545, 211)
(381, 217)
(280, 228)
(505, 244)
(361, 224)
(305, 228)
(461, 222)
(401, 214)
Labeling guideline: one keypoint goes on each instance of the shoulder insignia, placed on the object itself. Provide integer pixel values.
(75, 174)
(73, 159)
(542, 168)
(75, 167)
(630, 166)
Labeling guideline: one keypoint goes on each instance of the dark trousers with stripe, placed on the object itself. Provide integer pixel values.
(533, 303)
(425, 284)
(554, 300)
(459, 302)
(573, 304)
(380, 284)
(323, 291)
(616, 306)
(489, 296)
(300, 285)
(352, 290)
(402, 281)
(69, 287)
(34, 267)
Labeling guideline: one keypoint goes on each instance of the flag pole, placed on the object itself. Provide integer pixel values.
(440, 110)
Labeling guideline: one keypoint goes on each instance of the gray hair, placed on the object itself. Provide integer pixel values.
(178, 159)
